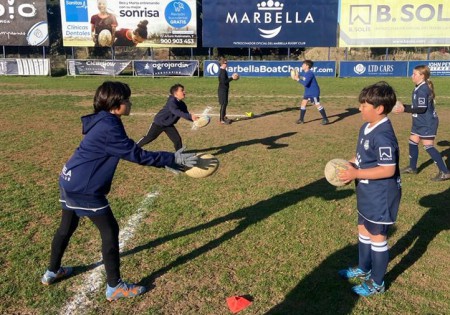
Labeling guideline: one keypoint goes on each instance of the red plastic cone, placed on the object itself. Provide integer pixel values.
(237, 303)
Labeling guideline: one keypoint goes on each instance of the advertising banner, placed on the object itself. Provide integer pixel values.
(23, 23)
(268, 68)
(96, 66)
(143, 23)
(373, 69)
(400, 23)
(164, 68)
(437, 67)
(283, 23)
(24, 66)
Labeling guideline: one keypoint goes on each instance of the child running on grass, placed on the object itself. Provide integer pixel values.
(375, 170)
(85, 182)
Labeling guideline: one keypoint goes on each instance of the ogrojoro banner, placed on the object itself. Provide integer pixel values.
(164, 68)
(96, 66)
(24, 66)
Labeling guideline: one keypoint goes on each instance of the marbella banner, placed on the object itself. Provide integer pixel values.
(25, 67)
(400, 23)
(264, 24)
(268, 68)
(164, 68)
(373, 69)
(23, 23)
(143, 23)
(96, 66)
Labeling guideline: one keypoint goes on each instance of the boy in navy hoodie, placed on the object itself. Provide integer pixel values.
(86, 178)
(168, 116)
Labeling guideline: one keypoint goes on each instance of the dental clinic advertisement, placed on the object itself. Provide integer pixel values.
(140, 23)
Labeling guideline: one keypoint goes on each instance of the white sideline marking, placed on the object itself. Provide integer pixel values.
(93, 280)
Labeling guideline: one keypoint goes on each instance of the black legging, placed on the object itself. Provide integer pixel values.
(154, 131)
(223, 101)
(109, 232)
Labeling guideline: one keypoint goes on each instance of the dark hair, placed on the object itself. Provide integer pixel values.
(380, 93)
(141, 29)
(222, 60)
(175, 88)
(110, 95)
(309, 63)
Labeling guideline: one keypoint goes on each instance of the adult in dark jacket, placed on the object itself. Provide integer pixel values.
(222, 91)
(167, 117)
(86, 178)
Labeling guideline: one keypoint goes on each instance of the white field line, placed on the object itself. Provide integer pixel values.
(94, 280)
(200, 114)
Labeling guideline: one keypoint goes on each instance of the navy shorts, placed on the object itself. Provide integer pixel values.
(425, 130)
(373, 228)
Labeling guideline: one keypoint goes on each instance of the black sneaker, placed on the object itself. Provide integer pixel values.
(408, 170)
(325, 122)
(441, 176)
(225, 122)
(299, 122)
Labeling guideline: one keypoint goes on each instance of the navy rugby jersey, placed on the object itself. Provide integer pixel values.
(424, 123)
(378, 199)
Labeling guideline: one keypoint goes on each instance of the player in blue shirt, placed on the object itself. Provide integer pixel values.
(312, 92)
(425, 123)
(86, 178)
(378, 187)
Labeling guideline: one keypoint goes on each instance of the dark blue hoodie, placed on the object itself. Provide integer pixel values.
(86, 178)
(171, 113)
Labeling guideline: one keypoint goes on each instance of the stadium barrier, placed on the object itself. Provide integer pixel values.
(25, 66)
(153, 68)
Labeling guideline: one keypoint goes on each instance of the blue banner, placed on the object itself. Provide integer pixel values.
(254, 23)
(437, 67)
(164, 68)
(373, 69)
(268, 68)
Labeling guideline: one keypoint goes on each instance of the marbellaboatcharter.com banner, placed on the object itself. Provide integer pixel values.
(164, 23)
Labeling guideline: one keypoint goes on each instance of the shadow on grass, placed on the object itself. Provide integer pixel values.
(247, 216)
(434, 221)
(274, 112)
(322, 291)
(349, 112)
(445, 155)
(269, 142)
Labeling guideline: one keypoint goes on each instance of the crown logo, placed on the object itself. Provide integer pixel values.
(270, 6)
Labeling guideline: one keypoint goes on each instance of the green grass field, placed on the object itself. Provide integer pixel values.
(265, 225)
